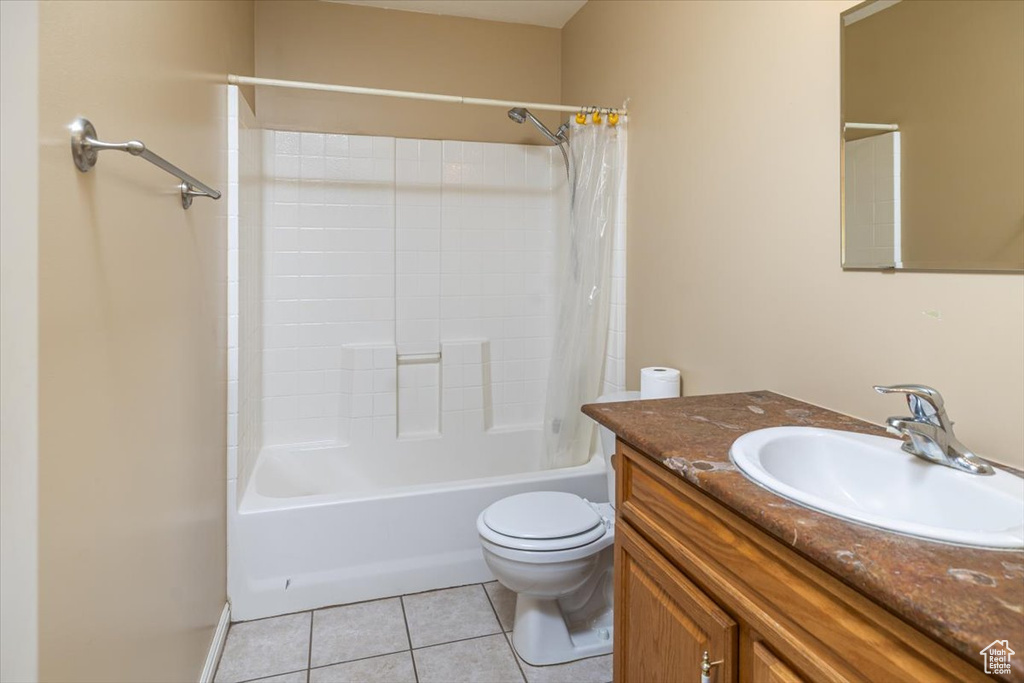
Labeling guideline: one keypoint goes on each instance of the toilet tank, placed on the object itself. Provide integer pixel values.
(607, 438)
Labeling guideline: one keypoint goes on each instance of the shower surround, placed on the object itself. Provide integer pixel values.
(388, 261)
(396, 383)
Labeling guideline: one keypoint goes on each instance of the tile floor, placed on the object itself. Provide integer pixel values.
(443, 636)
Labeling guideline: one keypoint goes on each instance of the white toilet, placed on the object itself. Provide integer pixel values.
(554, 550)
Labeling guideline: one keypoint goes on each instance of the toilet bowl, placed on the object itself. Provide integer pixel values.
(554, 550)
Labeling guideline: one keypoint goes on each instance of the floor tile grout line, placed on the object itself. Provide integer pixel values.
(349, 604)
(425, 647)
(496, 616)
(508, 640)
(277, 616)
(438, 590)
(409, 650)
(412, 649)
(494, 609)
(263, 678)
(309, 652)
(458, 640)
(309, 657)
(358, 659)
(408, 636)
(515, 656)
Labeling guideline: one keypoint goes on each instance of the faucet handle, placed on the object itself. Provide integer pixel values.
(929, 433)
(928, 394)
(925, 403)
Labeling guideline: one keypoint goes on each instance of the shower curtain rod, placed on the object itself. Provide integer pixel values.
(411, 95)
(871, 126)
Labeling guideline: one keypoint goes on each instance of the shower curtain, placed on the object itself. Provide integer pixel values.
(584, 290)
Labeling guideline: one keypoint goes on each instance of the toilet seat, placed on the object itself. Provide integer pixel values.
(504, 547)
(541, 521)
(541, 515)
(538, 546)
(546, 527)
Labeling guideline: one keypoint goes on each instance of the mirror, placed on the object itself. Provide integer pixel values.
(933, 135)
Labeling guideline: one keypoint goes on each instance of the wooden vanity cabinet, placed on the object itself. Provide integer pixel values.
(667, 622)
(692, 576)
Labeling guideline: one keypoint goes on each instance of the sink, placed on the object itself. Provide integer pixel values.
(869, 480)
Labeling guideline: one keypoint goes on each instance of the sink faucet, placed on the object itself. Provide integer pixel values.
(928, 432)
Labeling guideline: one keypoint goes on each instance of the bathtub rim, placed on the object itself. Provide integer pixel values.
(253, 502)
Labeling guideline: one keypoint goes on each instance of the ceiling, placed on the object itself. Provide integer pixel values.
(550, 13)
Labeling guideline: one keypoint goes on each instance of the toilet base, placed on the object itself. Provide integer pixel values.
(554, 631)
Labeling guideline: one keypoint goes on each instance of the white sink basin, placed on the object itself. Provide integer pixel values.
(870, 480)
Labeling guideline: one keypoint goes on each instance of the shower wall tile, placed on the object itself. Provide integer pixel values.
(330, 275)
(417, 245)
(245, 285)
(463, 386)
(368, 385)
(497, 268)
(377, 249)
(419, 402)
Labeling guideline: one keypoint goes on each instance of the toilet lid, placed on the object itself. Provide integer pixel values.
(541, 515)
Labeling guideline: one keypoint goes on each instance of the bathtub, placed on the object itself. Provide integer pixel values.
(329, 525)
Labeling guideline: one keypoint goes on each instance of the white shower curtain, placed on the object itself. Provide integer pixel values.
(584, 291)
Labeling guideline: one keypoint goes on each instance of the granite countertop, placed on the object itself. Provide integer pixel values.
(962, 597)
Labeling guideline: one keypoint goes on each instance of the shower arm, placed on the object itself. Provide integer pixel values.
(543, 129)
(559, 140)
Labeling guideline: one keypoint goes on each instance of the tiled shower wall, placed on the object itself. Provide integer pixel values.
(406, 287)
(379, 252)
(245, 288)
(329, 273)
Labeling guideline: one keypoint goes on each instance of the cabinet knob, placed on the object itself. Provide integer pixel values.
(705, 667)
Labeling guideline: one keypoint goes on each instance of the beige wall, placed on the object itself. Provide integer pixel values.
(377, 48)
(733, 253)
(951, 74)
(132, 336)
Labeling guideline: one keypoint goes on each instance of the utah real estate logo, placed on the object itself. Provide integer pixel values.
(997, 657)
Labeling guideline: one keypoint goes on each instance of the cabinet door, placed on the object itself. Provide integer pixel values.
(664, 623)
(767, 668)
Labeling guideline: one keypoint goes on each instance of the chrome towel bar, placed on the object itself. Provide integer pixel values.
(85, 149)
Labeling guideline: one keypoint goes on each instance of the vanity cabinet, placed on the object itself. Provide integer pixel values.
(666, 621)
(767, 668)
(692, 576)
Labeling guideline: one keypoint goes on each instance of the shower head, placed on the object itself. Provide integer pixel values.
(520, 115)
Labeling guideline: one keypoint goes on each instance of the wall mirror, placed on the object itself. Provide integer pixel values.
(933, 135)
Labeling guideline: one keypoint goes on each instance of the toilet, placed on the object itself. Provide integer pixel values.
(554, 550)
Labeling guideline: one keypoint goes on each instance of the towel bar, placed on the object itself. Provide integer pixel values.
(85, 149)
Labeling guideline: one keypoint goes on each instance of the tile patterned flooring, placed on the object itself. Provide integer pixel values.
(443, 636)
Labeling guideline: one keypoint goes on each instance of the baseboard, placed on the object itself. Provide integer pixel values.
(216, 646)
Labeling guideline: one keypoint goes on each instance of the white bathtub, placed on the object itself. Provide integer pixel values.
(330, 525)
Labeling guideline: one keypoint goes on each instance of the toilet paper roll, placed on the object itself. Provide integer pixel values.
(659, 383)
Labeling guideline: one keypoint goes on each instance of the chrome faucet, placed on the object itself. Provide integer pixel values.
(928, 432)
